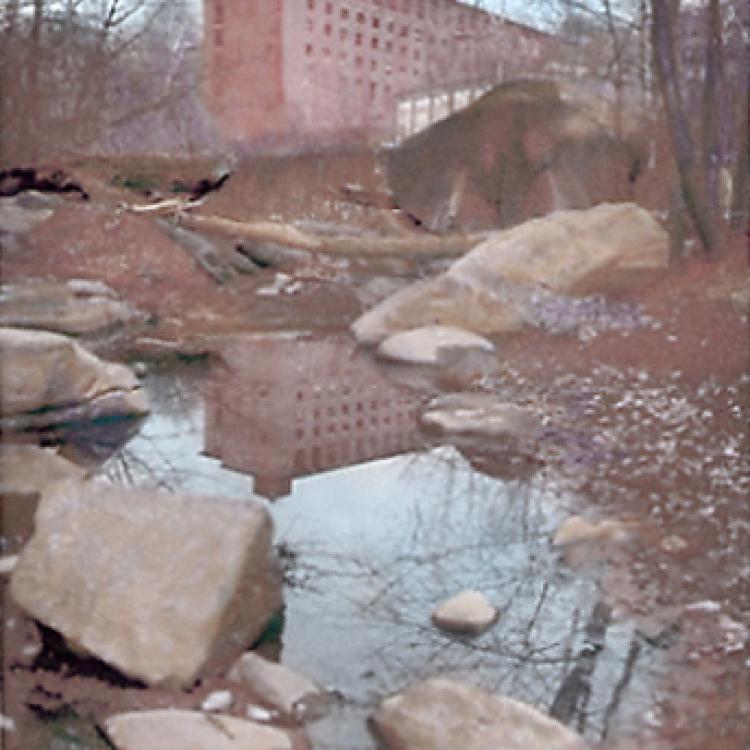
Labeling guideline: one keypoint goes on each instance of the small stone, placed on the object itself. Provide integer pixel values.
(469, 612)
(673, 543)
(191, 730)
(424, 345)
(218, 701)
(258, 713)
(280, 687)
(7, 724)
(577, 529)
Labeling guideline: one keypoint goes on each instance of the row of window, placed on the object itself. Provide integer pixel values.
(462, 17)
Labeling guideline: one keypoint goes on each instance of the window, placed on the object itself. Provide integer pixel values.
(344, 14)
(388, 45)
(404, 31)
(360, 17)
(358, 39)
(329, 7)
(375, 42)
(219, 13)
(308, 49)
(343, 33)
(218, 37)
(375, 22)
(311, 4)
(327, 29)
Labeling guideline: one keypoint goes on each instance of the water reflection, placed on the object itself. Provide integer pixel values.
(282, 408)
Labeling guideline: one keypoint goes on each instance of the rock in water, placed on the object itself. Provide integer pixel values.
(191, 730)
(469, 612)
(480, 414)
(42, 371)
(424, 345)
(440, 714)
(576, 529)
(288, 692)
(163, 587)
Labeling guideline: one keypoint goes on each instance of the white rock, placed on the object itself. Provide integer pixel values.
(258, 713)
(7, 724)
(424, 345)
(469, 612)
(219, 700)
(280, 687)
(190, 730)
(440, 714)
(8, 564)
(160, 586)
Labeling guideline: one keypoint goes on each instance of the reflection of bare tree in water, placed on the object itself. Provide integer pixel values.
(470, 532)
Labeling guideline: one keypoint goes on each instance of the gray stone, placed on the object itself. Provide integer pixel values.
(491, 289)
(76, 307)
(280, 687)
(469, 612)
(425, 345)
(189, 730)
(16, 219)
(163, 587)
(440, 714)
(480, 414)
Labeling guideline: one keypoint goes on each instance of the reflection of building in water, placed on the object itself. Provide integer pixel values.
(283, 408)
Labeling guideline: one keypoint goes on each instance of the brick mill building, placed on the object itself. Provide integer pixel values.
(316, 71)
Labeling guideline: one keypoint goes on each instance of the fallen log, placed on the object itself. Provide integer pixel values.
(451, 245)
(166, 207)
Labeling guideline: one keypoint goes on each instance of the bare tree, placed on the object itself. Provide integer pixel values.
(81, 75)
(664, 24)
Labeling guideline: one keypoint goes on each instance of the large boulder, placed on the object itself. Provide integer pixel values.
(497, 286)
(163, 587)
(440, 714)
(51, 385)
(74, 307)
(191, 730)
(522, 150)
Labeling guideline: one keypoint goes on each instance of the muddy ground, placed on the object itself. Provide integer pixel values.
(697, 336)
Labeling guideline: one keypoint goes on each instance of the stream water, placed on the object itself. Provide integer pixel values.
(376, 525)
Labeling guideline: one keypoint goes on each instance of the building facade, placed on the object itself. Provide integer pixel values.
(311, 71)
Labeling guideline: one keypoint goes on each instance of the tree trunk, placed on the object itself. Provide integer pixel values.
(666, 67)
(711, 104)
(740, 197)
